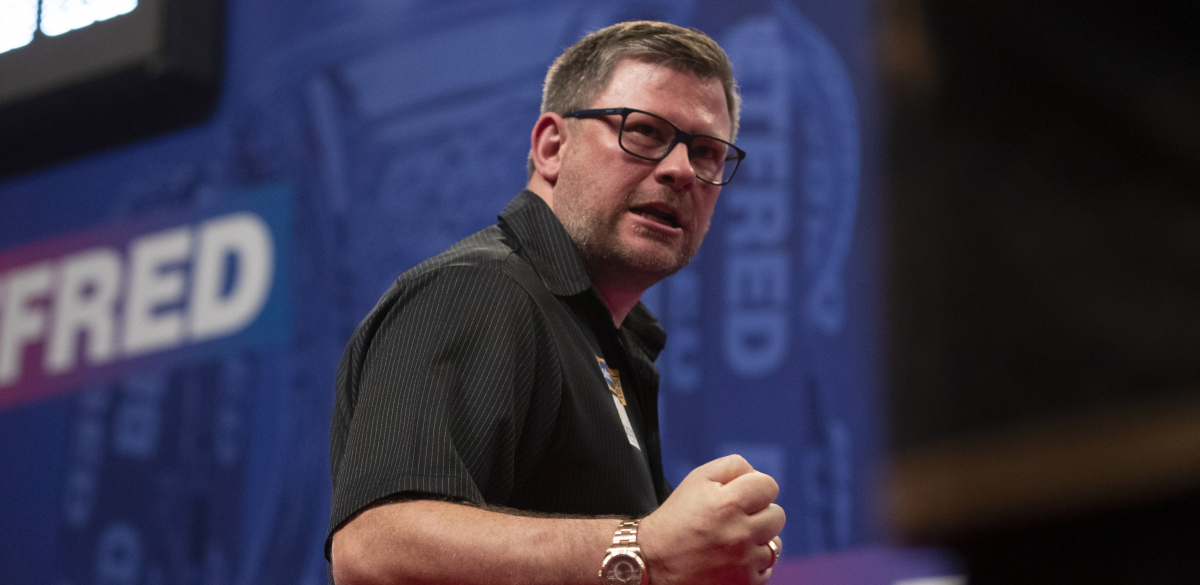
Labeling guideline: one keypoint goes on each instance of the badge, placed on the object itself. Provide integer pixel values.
(613, 379)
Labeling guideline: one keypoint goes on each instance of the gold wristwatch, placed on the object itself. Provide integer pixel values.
(623, 563)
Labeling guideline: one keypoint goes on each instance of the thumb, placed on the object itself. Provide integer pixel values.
(725, 469)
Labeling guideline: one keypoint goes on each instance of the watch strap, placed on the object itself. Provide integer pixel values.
(626, 535)
(625, 545)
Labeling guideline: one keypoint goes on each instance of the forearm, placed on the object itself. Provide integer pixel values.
(433, 542)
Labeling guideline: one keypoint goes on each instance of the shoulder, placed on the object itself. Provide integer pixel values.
(479, 278)
(489, 256)
(466, 295)
(487, 250)
(483, 268)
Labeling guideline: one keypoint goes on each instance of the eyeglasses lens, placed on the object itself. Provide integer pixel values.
(650, 136)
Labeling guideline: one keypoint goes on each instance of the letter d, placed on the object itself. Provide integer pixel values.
(246, 239)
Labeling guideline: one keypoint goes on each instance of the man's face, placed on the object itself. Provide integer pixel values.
(632, 217)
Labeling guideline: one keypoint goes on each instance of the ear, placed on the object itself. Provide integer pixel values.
(546, 146)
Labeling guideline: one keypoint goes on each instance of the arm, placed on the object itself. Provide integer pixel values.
(713, 529)
(428, 541)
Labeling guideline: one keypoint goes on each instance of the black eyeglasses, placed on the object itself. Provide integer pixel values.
(652, 137)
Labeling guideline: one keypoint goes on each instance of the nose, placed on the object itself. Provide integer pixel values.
(676, 169)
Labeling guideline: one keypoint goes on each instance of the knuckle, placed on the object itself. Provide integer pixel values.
(730, 503)
(774, 484)
(766, 482)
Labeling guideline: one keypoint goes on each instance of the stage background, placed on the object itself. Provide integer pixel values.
(362, 137)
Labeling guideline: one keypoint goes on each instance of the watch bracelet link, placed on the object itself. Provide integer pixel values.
(624, 543)
(626, 534)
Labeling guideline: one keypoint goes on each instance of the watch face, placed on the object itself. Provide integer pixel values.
(623, 570)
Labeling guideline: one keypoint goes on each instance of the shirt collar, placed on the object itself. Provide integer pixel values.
(644, 326)
(546, 243)
(557, 261)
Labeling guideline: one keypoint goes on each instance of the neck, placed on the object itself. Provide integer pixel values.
(619, 303)
(618, 291)
(616, 287)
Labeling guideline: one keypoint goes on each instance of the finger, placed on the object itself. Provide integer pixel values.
(767, 524)
(762, 577)
(754, 491)
(725, 469)
(771, 558)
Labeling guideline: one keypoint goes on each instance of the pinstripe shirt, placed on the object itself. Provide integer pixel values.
(493, 374)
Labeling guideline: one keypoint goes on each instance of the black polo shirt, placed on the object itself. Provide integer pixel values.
(480, 376)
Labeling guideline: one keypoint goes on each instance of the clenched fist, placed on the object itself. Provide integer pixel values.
(715, 527)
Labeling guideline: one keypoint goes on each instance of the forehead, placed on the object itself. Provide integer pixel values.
(695, 105)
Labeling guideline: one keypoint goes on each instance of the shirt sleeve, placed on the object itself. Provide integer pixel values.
(447, 381)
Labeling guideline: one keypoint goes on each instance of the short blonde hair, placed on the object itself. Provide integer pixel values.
(583, 71)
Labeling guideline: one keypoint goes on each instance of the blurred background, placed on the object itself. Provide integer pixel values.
(951, 301)
(1044, 245)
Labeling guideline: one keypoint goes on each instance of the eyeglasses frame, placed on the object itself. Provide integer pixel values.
(681, 136)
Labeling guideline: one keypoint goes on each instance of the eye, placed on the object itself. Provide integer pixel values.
(707, 150)
(645, 130)
(702, 151)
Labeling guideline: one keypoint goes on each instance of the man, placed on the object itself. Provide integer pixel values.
(496, 417)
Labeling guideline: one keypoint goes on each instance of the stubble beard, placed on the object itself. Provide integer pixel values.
(597, 234)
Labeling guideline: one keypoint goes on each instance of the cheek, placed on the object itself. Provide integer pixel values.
(598, 170)
(705, 206)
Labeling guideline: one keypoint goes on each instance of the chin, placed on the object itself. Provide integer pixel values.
(659, 263)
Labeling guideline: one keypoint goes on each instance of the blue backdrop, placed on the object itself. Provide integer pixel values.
(366, 136)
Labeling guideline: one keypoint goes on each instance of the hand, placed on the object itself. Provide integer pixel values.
(714, 528)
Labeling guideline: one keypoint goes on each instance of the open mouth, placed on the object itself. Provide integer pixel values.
(663, 216)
